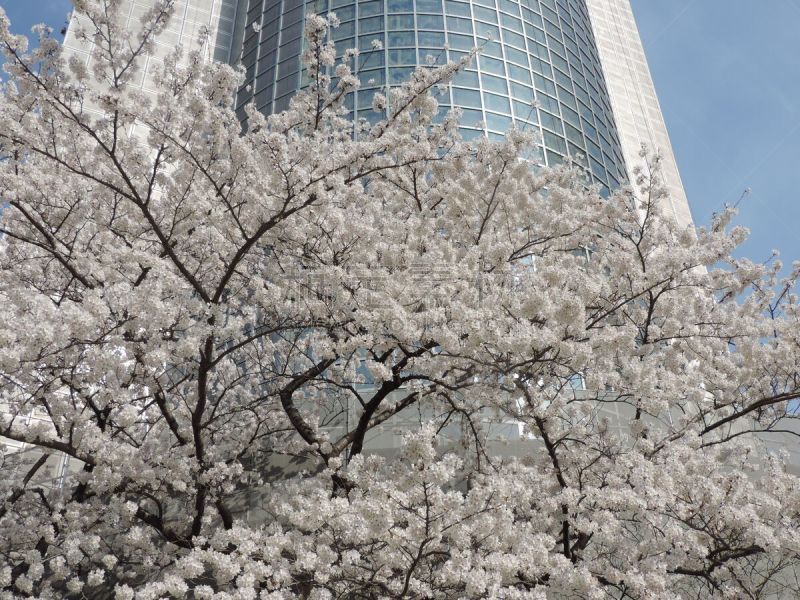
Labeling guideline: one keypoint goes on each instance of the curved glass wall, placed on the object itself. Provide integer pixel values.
(539, 67)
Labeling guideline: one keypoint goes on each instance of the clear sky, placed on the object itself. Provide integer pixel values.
(727, 73)
(26, 13)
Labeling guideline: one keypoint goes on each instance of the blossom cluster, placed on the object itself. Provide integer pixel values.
(315, 358)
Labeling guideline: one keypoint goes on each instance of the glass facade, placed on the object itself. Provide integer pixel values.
(539, 67)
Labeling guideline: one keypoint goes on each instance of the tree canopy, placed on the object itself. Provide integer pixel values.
(217, 321)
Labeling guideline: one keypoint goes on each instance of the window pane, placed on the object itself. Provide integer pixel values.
(498, 122)
(396, 22)
(470, 117)
(432, 56)
(519, 73)
(342, 45)
(401, 38)
(459, 25)
(555, 142)
(347, 13)
(460, 42)
(403, 57)
(365, 41)
(515, 39)
(431, 6)
(466, 79)
(548, 103)
(511, 22)
(470, 134)
(494, 84)
(431, 38)
(370, 25)
(469, 98)
(508, 6)
(485, 14)
(457, 8)
(399, 74)
(372, 59)
(487, 31)
(544, 85)
(368, 9)
(344, 30)
(497, 103)
(493, 49)
(522, 92)
(525, 111)
(373, 78)
(435, 22)
(396, 6)
(492, 65)
(550, 121)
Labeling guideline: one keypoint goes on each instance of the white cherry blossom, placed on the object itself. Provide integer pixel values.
(308, 358)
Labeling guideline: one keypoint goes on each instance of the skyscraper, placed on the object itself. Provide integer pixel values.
(633, 97)
(190, 20)
(572, 70)
(539, 66)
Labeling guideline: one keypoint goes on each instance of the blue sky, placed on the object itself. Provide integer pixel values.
(727, 73)
(26, 13)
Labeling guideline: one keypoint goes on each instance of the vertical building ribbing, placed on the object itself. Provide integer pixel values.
(633, 97)
(572, 70)
(539, 67)
(190, 19)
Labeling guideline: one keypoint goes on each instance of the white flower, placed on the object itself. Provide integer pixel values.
(199, 307)
(123, 592)
(95, 577)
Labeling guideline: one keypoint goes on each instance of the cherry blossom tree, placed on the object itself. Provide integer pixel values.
(217, 321)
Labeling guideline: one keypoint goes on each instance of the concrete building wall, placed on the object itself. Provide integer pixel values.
(633, 97)
(190, 19)
(18, 458)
